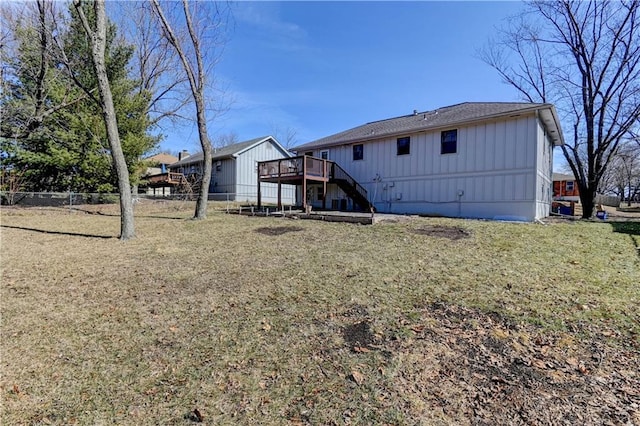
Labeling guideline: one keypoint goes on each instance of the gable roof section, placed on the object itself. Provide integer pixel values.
(162, 158)
(450, 116)
(562, 177)
(230, 151)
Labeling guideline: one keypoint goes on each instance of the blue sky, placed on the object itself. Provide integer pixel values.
(323, 67)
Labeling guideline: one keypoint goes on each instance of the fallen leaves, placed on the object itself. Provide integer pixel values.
(357, 377)
(265, 326)
(469, 365)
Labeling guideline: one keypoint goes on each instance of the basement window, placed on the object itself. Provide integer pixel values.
(449, 142)
(404, 146)
(358, 152)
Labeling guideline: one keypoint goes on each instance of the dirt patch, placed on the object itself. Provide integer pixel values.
(277, 230)
(450, 232)
(358, 336)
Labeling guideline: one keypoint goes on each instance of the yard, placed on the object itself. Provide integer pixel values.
(249, 320)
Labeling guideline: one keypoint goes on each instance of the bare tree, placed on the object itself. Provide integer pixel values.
(97, 40)
(287, 136)
(226, 139)
(623, 175)
(197, 66)
(154, 63)
(585, 58)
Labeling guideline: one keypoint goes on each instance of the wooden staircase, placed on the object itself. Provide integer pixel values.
(350, 186)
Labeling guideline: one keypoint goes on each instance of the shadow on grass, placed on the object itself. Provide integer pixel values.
(118, 215)
(44, 231)
(632, 229)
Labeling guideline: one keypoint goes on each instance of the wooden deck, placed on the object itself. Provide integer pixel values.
(166, 179)
(304, 169)
(294, 170)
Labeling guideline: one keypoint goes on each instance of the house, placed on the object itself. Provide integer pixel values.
(475, 159)
(565, 187)
(234, 171)
(157, 165)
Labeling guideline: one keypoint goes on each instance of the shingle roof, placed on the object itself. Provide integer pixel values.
(563, 177)
(162, 158)
(439, 118)
(221, 153)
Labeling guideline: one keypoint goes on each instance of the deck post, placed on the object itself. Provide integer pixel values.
(279, 186)
(304, 183)
(259, 194)
(324, 184)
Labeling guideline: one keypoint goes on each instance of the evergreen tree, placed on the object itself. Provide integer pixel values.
(52, 127)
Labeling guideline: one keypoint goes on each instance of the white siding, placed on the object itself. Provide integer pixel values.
(247, 175)
(493, 174)
(223, 180)
(544, 172)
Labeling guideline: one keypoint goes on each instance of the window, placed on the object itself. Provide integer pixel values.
(404, 146)
(570, 186)
(324, 154)
(320, 194)
(358, 152)
(449, 142)
(309, 153)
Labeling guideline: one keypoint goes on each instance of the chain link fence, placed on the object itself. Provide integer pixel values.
(69, 199)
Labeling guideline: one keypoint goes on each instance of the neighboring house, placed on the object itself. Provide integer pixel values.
(158, 165)
(565, 187)
(234, 171)
(480, 160)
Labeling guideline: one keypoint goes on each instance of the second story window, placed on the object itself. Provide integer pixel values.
(449, 142)
(358, 152)
(404, 146)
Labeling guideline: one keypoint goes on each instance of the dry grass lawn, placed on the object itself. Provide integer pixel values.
(246, 320)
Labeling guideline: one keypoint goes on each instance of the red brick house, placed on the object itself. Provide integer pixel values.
(565, 187)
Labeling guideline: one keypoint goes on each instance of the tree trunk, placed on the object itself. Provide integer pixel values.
(588, 200)
(98, 44)
(203, 196)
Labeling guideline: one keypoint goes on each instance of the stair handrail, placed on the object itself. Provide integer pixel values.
(338, 172)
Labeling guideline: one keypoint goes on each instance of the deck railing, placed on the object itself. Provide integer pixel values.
(292, 167)
(168, 177)
(306, 167)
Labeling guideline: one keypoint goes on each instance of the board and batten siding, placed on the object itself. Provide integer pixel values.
(223, 180)
(247, 175)
(495, 172)
(544, 172)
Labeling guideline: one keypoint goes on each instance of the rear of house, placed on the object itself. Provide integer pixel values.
(477, 160)
(234, 171)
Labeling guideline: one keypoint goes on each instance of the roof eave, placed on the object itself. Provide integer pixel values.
(549, 118)
(532, 109)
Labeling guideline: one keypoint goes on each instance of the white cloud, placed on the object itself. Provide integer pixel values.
(276, 33)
